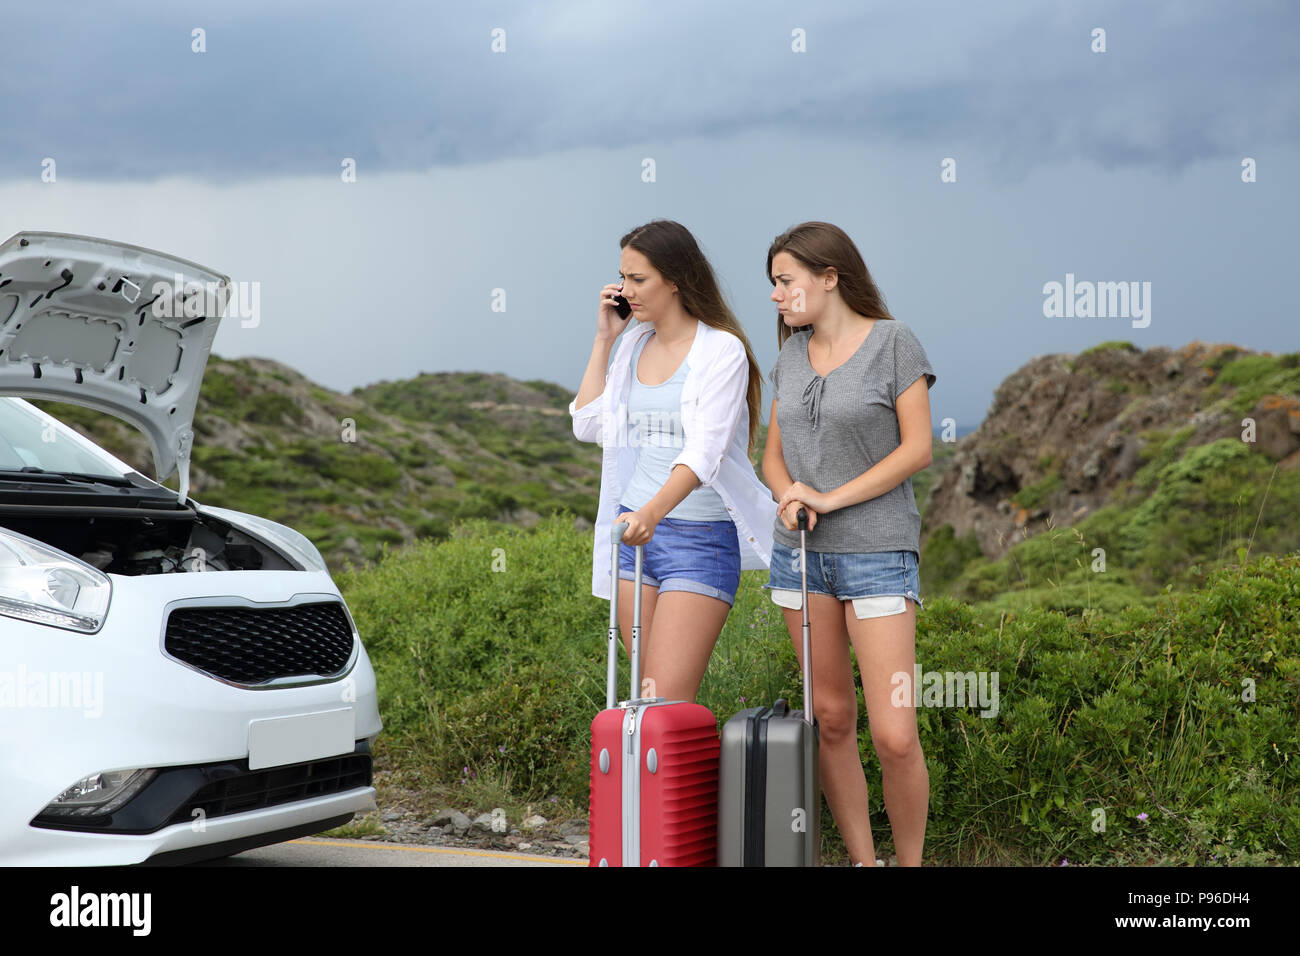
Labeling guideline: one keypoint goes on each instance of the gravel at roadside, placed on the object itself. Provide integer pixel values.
(403, 817)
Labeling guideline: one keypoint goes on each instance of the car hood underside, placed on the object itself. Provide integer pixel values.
(110, 326)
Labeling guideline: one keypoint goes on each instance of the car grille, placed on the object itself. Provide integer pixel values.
(259, 789)
(247, 645)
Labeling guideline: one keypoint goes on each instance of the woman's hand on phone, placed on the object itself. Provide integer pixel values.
(608, 325)
(790, 515)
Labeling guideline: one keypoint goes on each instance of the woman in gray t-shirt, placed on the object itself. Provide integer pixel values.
(850, 425)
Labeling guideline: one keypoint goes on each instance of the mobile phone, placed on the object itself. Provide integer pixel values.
(622, 307)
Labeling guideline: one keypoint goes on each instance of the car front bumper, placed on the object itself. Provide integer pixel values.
(76, 704)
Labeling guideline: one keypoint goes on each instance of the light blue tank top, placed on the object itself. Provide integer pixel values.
(655, 430)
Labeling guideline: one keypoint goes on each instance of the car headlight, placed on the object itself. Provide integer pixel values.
(42, 584)
(296, 547)
(99, 793)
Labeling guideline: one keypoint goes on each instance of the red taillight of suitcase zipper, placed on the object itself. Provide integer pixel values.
(678, 798)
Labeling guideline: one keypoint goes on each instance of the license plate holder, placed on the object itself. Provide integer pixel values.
(278, 741)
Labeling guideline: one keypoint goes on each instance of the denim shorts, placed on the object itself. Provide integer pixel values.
(698, 556)
(848, 576)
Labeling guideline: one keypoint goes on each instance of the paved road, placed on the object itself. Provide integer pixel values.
(319, 851)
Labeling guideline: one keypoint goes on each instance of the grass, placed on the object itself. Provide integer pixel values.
(1254, 376)
(1033, 496)
(1112, 345)
(489, 680)
(1185, 512)
(362, 826)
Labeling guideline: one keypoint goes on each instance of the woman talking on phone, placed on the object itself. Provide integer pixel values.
(850, 425)
(676, 414)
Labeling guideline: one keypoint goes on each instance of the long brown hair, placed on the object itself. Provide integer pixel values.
(673, 251)
(819, 246)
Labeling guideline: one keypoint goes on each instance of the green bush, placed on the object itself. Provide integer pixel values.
(1184, 517)
(944, 556)
(1033, 496)
(1177, 483)
(1254, 376)
(219, 390)
(1160, 449)
(499, 667)
(1223, 358)
(271, 408)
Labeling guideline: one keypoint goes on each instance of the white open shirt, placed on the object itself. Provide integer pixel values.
(715, 427)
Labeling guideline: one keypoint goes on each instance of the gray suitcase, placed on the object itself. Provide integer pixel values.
(769, 796)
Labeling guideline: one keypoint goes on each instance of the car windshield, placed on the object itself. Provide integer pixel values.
(29, 441)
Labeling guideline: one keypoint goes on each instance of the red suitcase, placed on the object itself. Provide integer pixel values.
(654, 765)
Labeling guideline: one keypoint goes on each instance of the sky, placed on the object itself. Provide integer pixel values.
(975, 153)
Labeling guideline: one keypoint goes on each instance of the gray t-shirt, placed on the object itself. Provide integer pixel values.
(835, 428)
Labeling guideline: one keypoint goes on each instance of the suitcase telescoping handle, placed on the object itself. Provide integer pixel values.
(807, 631)
(611, 673)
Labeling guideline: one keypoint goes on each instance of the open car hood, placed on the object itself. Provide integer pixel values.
(113, 327)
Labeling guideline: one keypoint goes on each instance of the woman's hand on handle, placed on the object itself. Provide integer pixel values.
(608, 325)
(790, 515)
(640, 527)
(813, 499)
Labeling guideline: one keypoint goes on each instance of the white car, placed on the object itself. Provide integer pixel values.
(177, 682)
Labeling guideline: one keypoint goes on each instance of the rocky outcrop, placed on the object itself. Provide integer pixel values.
(1065, 431)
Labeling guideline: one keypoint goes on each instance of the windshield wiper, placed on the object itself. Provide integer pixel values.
(32, 473)
(117, 481)
(28, 473)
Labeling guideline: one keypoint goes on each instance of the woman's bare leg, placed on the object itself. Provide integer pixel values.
(886, 646)
(649, 597)
(835, 705)
(686, 627)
